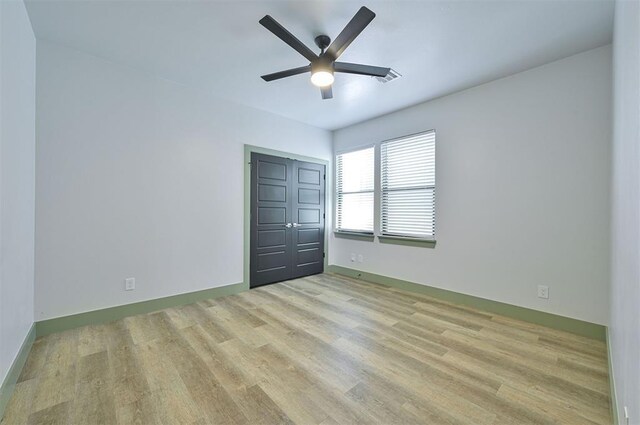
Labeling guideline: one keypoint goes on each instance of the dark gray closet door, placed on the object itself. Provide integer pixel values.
(271, 243)
(287, 219)
(309, 218)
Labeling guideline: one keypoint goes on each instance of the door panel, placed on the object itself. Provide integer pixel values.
(308, 216)
(308, 256)
(287, 219)
(272, 169)
(309, 196)
(308, 236)
(270, 261)
(308, 210)
(309, 175)
(272, 193)
(271, 240)
(272, 215)
(267, 238)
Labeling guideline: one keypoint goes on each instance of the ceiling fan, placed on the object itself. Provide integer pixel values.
(323, 66)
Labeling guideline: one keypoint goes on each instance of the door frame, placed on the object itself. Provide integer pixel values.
(328, 199)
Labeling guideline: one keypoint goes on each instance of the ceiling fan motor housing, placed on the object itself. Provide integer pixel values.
(322, 41)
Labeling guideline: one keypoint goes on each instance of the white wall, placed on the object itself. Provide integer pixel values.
(522, 189)
(140, 177)
(17, 178)
(624, 330)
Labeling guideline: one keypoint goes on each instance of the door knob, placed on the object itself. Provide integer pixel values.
(296, 225)
(288, 225)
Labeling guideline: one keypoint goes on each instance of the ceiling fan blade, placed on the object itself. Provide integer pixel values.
(355, 26)
(281, 32)
(356, 68)
(286, 73)
(327, 92)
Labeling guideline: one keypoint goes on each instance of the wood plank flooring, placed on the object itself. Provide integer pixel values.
(318, 350)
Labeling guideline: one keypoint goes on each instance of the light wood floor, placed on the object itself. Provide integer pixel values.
(319, 350)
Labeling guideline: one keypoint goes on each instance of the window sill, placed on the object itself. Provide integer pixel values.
(359, 236)
(407, 241)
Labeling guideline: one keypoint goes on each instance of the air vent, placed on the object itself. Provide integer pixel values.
(392, 75)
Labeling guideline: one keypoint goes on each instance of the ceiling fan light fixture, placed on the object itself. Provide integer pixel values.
(323, 65)
(322, 78)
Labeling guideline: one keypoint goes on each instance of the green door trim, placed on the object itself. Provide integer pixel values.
(248, 149)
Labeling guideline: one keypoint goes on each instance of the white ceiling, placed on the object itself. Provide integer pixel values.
(439, 47)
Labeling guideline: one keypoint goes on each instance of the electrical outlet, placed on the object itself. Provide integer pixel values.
(543, 292)
(360, 258)
(353, 257)
(130, 284)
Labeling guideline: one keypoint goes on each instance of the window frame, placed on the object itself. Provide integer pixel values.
(357, 233)
(388, 237)
(377, 198)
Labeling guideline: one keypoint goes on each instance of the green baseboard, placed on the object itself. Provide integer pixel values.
(9, 383)
(612, 385)
(105, 315)
(579, 327)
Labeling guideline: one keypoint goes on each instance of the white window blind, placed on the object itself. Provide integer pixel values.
(354, 191)
(408, 177)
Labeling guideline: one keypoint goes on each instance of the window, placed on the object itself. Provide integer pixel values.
(408, 186)
(354, 191)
